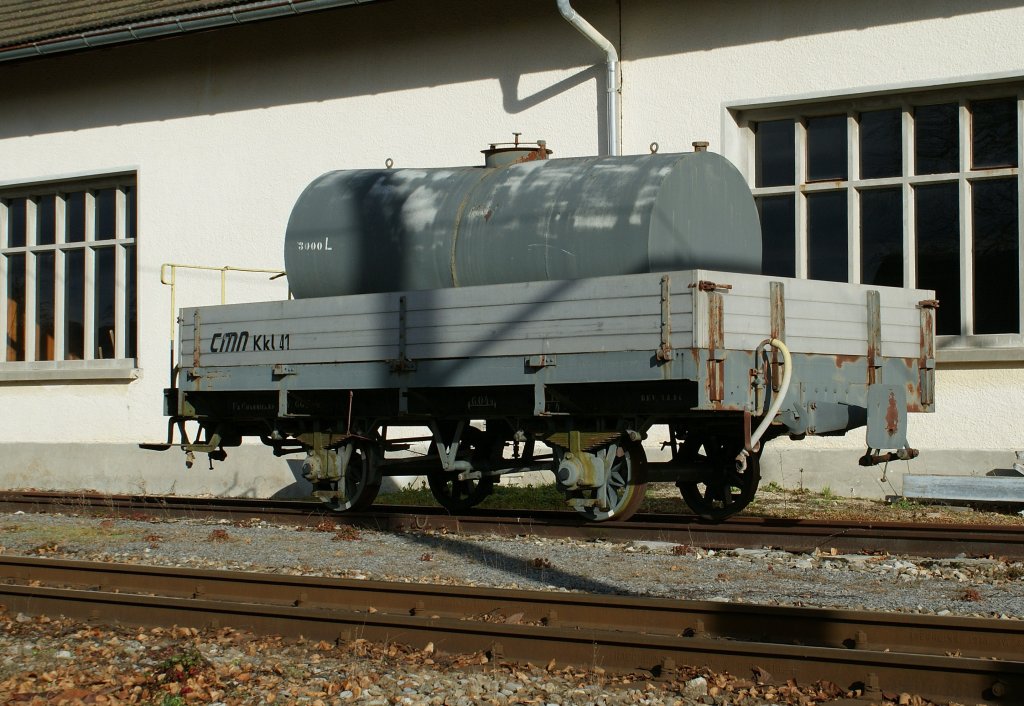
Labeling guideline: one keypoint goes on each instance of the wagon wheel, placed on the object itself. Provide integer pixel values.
(361, 483)
(725, 489)
(627, 484)
(461, 495)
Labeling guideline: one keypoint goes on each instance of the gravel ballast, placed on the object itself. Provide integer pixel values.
(960, 586)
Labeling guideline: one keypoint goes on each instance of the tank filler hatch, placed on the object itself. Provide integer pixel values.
(502, 154)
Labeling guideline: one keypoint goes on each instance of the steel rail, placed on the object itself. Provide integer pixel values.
(925, 634)
(796, 535)
(893, 653)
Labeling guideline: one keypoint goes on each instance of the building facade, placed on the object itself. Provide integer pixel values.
(883, 144)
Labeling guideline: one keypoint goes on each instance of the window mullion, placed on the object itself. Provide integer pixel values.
(1020, 206)
(4, 279)
(852, 199)
(30, 280)
(966, 225)
(800, 207)
(59, 222)
(120, 263)
(909, 213)
(89, 326)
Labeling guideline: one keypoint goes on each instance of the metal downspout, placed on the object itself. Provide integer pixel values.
(600, 41)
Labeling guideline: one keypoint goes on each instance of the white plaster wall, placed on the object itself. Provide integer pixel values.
(225, 129)
(686, 58)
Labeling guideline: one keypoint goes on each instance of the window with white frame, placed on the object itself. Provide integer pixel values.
(68, 267)
(920, 189)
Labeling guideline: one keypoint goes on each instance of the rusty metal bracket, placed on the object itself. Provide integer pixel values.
(543, 360)
(874, 337)
(402, 364)
(926, 363)
(196, 321)
(748, 445)
(716, 347)
(875, 459)
(709, 286)
(664, 352)
(778, 323)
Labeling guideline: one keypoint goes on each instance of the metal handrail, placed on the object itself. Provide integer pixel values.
(173, 267)
(168, 276)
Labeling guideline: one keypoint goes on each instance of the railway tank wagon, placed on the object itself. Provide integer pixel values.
(545, 314)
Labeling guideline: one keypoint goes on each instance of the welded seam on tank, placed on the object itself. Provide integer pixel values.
(458, 220)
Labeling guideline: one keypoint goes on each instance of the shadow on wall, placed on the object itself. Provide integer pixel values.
(379, 48)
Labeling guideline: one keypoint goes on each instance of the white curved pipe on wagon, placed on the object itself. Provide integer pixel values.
(780, 396)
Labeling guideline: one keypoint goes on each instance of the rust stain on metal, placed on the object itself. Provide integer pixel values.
(778, 321)
(708, 286)
(716, 343)
(874, 332)
(842, 360)
(196, 321)
(926, 363)
(892, 416)
(664, 352)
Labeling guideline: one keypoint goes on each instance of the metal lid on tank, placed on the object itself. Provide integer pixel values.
(502, 154)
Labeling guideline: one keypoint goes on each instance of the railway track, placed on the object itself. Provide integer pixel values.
(968, 659)
(796, 535)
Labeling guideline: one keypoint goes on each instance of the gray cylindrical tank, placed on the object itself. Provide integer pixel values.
(362, 231)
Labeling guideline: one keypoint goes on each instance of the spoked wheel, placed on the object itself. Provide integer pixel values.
(726, 488)
(361, 482)
(627, 484)
(461, 495)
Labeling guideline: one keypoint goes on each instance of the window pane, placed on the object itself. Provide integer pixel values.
(74, 217)
(827, 236)
(775, 148)
(131, 217)
(44, 306)
(103, 315)
(994, 133)
(74, 304)
(778, 237)
(131, 330)
(996, 257)
(936, 141)
(16, 223)
(106, 214)
(881, 237)
(826, 148)
(16, 307)
(938, 251)
(46, 222)
(881, 144)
